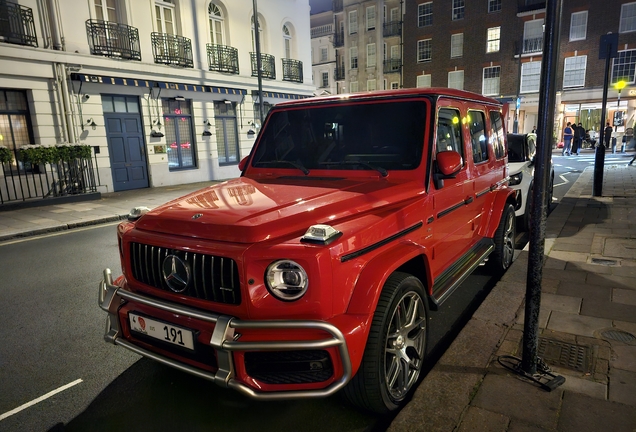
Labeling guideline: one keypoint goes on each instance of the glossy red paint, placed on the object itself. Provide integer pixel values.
(391, 214)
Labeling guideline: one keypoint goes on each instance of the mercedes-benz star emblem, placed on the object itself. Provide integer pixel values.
(176, 273)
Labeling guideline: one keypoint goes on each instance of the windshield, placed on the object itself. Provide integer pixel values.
(376, 136)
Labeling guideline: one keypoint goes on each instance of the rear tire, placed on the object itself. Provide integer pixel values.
(501, 258)
(395, 349)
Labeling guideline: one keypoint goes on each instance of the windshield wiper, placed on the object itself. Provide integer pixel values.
(295, 164)
(381, 170)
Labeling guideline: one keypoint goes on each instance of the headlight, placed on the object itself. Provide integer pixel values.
(515, 179)
(287, 280)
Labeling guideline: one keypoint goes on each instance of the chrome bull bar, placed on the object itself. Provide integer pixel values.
(222, 340)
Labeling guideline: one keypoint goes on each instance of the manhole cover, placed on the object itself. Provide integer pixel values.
(618, 335)
(564, 355)
(604, 261)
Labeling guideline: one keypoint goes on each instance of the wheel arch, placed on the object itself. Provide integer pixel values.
(504, 197)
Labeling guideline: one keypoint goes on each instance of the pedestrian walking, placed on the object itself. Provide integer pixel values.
(607, 135)
(579, 135)
(568, 134)
(534, 130)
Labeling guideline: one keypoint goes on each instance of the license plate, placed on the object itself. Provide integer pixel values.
(161, 330)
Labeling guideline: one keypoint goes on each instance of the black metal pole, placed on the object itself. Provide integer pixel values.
(259, 65)
(599, 159)
(547, 99)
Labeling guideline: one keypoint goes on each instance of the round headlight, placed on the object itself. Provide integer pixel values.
(287, 280)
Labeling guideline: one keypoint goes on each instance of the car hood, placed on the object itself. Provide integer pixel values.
(248, 211)
(516, 167)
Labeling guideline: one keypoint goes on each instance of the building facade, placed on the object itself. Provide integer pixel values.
(165, 91)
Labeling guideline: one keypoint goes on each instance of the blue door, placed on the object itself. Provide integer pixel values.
(126, 146)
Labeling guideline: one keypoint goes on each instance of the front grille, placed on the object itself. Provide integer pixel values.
(289, 367)
(212, 278)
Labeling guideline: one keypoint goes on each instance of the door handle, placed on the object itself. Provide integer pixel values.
(468, 200)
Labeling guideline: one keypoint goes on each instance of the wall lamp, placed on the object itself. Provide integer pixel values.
(90, 122)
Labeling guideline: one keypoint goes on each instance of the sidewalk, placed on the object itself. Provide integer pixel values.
(587, 330)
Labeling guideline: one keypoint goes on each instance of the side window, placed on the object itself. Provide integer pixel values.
(496, 134)
(532, 147)
(477, 126)
(449, 131)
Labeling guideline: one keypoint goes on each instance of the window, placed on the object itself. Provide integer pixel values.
(371, 85)
(323, 54)
(496, 134)
(370, 18)
(457, 45)
(425, 14)
(15, 121)
(371, 55)
(490, 85)
(574, 71)
(424, 50)
(423, 81)
(227, 143)
(477, 127)
(578, 26)
(628, 18)
(177, 116)
(353, 56)
(260, 35)
(533, 36)
(458, 10)
(353, 22)
(106, 10)
(325, 80)
(493, 42)
(287, 42)
(215, 17)
(530, 76)
(164, 11)
(494, 6)
(624, 67)
(354, 86)
(456, 80)
(395, 85)
(449, 131)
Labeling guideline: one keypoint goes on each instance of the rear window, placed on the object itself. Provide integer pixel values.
(345, 136)
(516, 151)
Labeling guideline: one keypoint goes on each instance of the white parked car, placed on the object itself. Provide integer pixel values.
(522, 149)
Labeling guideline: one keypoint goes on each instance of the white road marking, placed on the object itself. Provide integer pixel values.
(40, 399)
(565, 181)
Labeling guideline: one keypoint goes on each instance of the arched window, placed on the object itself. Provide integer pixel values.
(287, 42)
(216, 25)
(260, 35)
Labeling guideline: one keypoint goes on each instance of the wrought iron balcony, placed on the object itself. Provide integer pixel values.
(111, 39)
(337, 5)
(339, 73)
(338, 39)
(17, 25)
(392, 65)
(223, 58)
(393, 28)
(533, 45)
(171, 49)
(268, 65)
(292, 70)
(525, 6)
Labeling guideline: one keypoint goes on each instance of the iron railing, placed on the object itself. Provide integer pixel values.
(23, 181)
(111, 39)
(172, 49)
(223, 58)
(17, 25)
(392, 65)
(339, 73)
(268, 65)
(533, 45)
(392, 28)
(338, 39)
(292, 70)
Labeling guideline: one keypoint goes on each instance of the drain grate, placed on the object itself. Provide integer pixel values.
(564, 355)
(601, 261)
(618, 335)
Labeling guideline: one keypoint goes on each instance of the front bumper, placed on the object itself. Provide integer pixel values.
(111, 297)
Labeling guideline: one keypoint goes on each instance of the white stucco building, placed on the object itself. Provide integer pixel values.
(164, 90)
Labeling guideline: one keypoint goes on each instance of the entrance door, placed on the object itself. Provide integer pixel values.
(124, 133)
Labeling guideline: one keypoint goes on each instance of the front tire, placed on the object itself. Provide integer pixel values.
(396, 347)
(501, 258)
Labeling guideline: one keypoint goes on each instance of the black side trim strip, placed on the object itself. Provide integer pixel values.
(450, 209)
(484, 192)
(381, 243)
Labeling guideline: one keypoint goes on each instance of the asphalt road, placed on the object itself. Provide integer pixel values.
(52, 341)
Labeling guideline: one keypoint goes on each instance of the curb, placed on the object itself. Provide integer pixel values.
(62, 227)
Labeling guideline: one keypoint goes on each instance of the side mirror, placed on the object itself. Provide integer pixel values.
(243, 163)
(449, 163)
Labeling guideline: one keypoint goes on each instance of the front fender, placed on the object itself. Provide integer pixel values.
(371, 280)
(504, 196)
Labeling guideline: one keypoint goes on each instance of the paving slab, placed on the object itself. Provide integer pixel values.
(585, 291)
(503, 393)
(609, 310)
(624, 357)
(622, 387)
(519, 426)
(576, 324)
(479, 420)
(582, 413)
(624, 296)
(584, 386)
